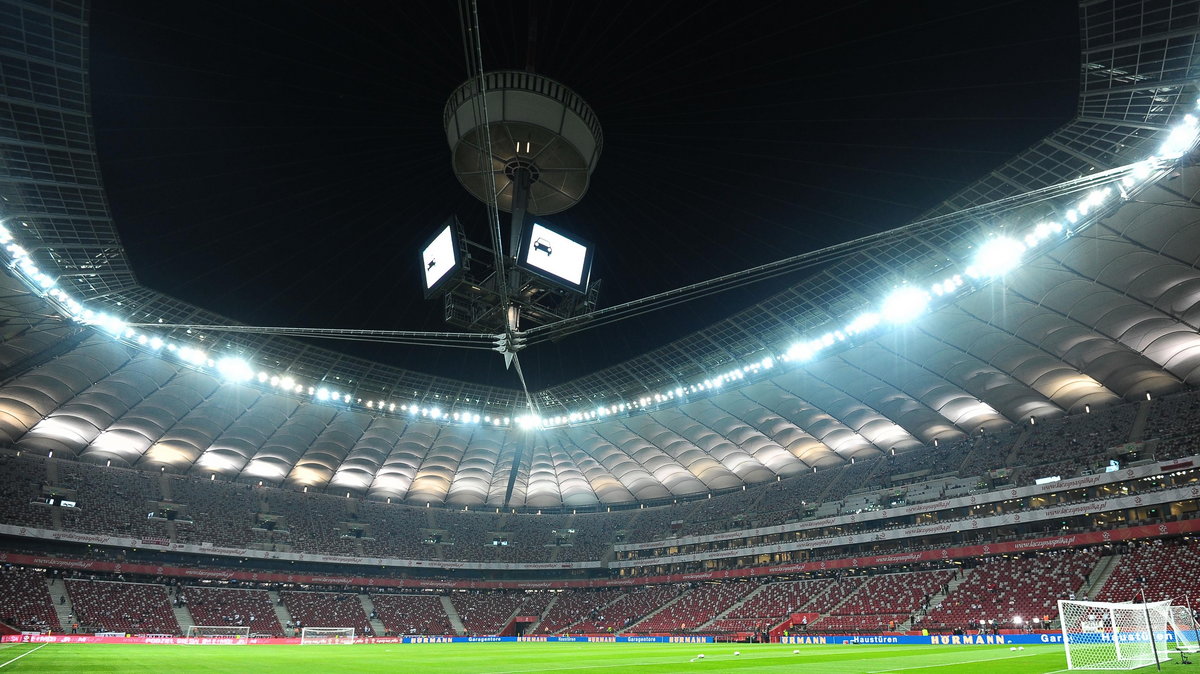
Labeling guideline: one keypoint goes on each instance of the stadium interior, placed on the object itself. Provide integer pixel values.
(954, 464)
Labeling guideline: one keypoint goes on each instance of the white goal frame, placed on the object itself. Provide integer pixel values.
(326, 635)
(1114, 636)
(1184, 629)
(217, 631)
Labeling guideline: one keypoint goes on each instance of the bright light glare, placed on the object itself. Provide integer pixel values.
(194, 356)
(234, 369)
(110, 323)
(802, 351)
(904, 304)
(998, 256)
(863, 322)
(1180, 140)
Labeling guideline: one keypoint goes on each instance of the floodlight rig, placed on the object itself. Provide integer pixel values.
(525, 145)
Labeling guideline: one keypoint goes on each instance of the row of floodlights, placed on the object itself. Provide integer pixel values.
(677, 393)
(229, 368)
(995, 258)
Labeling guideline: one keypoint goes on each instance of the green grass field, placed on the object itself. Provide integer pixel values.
(516, 658)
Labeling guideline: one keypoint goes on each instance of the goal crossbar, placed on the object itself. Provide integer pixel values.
(217, 631)
(326, 635)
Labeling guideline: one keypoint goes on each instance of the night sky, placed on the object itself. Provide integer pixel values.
(283, 162)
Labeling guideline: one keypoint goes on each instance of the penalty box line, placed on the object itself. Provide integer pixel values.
(35, 650)
(953, 664)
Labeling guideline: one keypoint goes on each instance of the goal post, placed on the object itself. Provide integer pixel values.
(326, 635)
(1184, 629)
(1107, 635)
(211, 631)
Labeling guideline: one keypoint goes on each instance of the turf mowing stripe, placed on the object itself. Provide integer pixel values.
(952, 664)
(23, 655)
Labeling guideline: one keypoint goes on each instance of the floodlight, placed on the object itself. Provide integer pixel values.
(803, 351)
(998, 256)
(904, 304)
(863, 322)
(1142, 170)
(194, 356)
(113, 325)
(234, 369)
(1180, 140)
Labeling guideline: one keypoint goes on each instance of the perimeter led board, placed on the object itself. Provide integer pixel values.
(440, 258)
(556, 257)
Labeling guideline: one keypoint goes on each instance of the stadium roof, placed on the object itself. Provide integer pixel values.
(1107, 314)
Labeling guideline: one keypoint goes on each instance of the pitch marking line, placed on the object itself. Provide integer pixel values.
(661, 660)
(954, 664)
(23, 655)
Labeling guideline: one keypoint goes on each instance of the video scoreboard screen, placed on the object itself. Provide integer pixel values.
(441, 257)
(556, 256)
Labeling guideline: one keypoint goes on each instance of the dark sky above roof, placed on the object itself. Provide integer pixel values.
(283, 162)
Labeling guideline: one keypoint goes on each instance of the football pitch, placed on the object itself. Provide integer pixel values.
(519, 658)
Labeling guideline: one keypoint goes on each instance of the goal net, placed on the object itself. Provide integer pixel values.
(212, 631)
(1104, 635)
(1183, 628)
(327, 635)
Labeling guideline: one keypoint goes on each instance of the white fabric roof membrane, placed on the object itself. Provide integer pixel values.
(1108, 315)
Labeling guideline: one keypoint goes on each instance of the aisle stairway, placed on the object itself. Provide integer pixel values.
(660, 609)
(601, 610)
(1100, 575)
(937, 598)
(65, 611)
(369, 609)
(531, 629)
(1015, 450)
(452, 614)
(184, 617)
(1138, 432)
(736, 605)
(281, 612)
